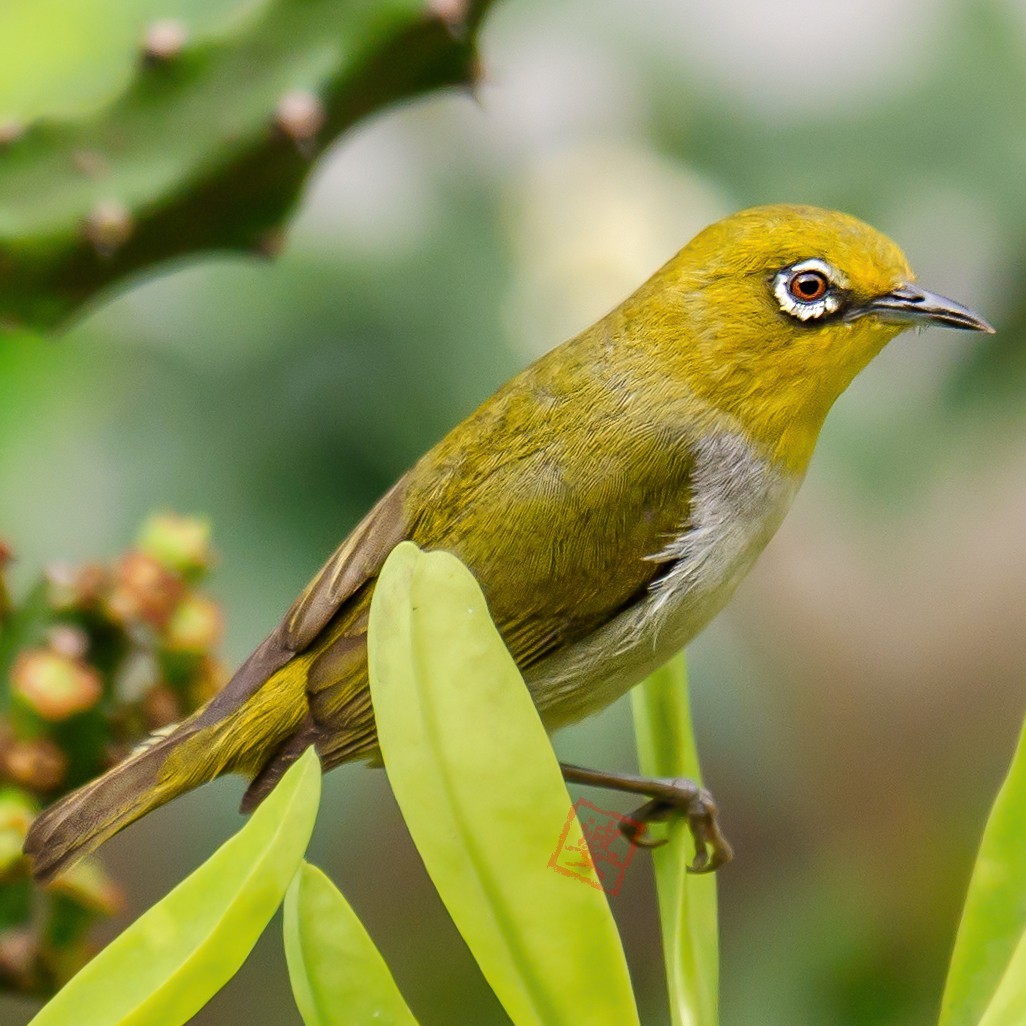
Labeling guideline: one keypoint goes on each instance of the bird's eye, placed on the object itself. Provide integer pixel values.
(808, 286)
(809, 290)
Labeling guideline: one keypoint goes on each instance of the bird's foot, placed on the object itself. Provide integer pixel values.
(712, 849)
(668, 797)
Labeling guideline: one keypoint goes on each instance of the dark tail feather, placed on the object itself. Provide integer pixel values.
(260, 707)
(81, 822)
(278, 764)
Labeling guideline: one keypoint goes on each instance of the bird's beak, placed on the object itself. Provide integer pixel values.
(909, 304)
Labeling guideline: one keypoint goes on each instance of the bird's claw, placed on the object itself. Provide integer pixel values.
(712, 849)
(682, 797)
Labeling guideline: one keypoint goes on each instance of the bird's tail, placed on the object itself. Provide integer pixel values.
(225, 736)
(81, 822)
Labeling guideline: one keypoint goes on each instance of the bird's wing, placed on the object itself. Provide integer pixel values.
(562, 524)
(355, 562)
(555, 580)
(352, 565)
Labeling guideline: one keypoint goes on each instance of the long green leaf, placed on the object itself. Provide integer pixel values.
(687, 903)
(994, 917)
(483, 797)
(176, 956)
(1008, 1006)
(338, 977)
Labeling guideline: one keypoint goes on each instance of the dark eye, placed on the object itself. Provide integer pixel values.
(808, 286)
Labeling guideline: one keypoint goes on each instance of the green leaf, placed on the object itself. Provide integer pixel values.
(176, 956)
(483, 797)
(1008, 1006)
(687, 903)
(990, 936)
(338, 977)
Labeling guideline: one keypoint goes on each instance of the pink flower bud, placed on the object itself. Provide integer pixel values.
(53, 685)
(35, 763)
(144, 589)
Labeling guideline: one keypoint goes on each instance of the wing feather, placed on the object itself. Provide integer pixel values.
(355, 562)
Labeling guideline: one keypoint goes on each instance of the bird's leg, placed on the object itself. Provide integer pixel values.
(668, 797)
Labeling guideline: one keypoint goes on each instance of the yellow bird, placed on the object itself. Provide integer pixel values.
(608, 499)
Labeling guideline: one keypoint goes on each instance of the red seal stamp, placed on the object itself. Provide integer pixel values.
(592, 847)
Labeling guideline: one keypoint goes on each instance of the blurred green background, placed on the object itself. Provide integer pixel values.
(857, 704)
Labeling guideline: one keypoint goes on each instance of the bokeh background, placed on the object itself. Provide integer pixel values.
(857, 703)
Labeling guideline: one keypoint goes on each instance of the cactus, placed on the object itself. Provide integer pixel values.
(210, 143)
(91, 660)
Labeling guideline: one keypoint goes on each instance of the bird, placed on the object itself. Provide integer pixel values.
(608, 499)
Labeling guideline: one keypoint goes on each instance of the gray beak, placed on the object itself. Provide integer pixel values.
(909, 304)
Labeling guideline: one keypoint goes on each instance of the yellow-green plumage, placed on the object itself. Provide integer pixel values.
(607, 499)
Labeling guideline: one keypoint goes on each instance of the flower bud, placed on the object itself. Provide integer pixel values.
(35, 763)
(177, 543)
(144, 589)
(18, 950)
(195, 626)
(54, 686)
(75, 588)
(68, 641)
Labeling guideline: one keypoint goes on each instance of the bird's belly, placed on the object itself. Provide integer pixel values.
(738, 500)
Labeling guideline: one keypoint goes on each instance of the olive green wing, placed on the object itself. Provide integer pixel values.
(562, 522)
(342, 579)
(551, 586)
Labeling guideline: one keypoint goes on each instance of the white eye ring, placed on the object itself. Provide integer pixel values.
(809, 309)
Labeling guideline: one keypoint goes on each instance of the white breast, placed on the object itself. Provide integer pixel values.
(738, 500)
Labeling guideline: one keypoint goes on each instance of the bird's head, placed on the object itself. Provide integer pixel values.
(779, 307)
